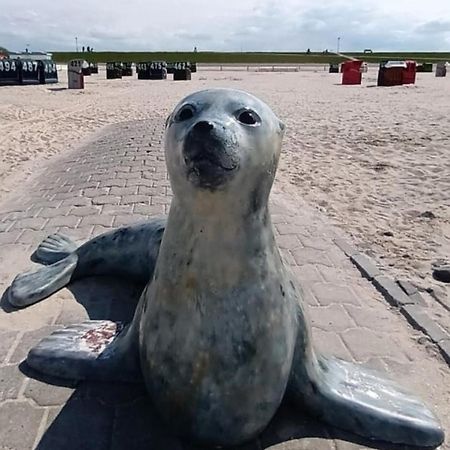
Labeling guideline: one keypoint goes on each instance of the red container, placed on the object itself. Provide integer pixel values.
(409, 74)
(351, 72)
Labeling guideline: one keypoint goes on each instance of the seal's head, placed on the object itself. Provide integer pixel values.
(219, 140)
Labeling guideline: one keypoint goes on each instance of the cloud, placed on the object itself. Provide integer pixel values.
(263, 25)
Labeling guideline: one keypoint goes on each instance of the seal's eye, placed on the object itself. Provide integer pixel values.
(248, 117)
(185, 113)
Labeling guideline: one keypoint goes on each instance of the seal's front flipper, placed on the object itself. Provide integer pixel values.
(31, 287)
(54, 248)
(358, 400)
(95, 350)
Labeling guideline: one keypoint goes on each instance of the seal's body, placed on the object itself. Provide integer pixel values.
(220, 334)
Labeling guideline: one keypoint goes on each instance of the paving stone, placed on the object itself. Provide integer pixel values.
(122, 191)
(54, 212)
(366, 317)
(83, 211)
(29, 339)
(81, 424)
(330, 343)
(77, 201)
(9, 237)
(131, 199)
(365, 344)
(311, 256)
(151, 210)
(348, 249)
(11, 380)
(333, 317)
(288, 241)
(329, 293)
(117, 209)
(65, 221)
(104, 220)
(45, 394)
(120, 221)
(105, 200)
(19, 425)
(444, 347)
(391, 291)
(307, 273)
(32, 223)
(367, 267)
(419, 319)
(316, 243)
(286, 228)
(7, 339)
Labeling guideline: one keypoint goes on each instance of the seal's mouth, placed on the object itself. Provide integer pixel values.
(210, 160)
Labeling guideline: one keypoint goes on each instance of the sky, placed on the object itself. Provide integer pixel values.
(231, 25)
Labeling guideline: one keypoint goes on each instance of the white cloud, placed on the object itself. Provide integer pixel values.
(264, 25)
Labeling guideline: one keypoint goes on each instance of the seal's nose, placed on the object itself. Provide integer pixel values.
(203, 126)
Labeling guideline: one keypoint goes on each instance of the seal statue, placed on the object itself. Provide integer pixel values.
(220, 335)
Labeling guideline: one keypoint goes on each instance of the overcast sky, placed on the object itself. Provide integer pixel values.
(231, 25)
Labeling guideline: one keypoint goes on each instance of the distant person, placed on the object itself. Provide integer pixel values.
(308, 51)
(195, 49)
(88, 49)
(82, 49)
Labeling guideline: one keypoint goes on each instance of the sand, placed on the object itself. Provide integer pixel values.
(375, 160)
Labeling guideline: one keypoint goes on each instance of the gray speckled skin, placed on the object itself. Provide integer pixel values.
(220, 335)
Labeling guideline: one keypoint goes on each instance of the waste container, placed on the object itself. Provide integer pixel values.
(424, 67)
(193, 67)
(48, 73)
(75, 73)
(409, 74)
(153, 70)
(127, 69)
(390, 73)
(441, 69)
(93, 67)
(86, 70)
(351, 72)
(10, 72)
(113, 70)
(182, 74)
(334, 68)
(30, 72)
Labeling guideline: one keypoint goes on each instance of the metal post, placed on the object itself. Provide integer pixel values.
(76, 43)
(338, 44)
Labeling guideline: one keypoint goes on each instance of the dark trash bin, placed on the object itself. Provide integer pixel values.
(86, 70)
(424, 67)
(113, 70)
(153, 70)
(10, 72)
(334, 68)
(30, 71)
(441, 69)
(181, 74)
(391, 73)
(48, 73)
(127, 69)
(93, 67)
(351, 72)
(193, 67)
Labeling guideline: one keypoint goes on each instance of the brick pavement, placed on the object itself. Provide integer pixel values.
(120, 178)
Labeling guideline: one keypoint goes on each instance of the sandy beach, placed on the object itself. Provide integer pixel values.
(376, 161)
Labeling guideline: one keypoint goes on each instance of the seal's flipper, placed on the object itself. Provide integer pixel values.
(31, 287)
(54, 248)
(95, 350)
(360, 401)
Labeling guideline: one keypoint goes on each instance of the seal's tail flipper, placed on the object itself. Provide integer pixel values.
(360, 401)
(31, 287)
(95, 349)
(54, 248)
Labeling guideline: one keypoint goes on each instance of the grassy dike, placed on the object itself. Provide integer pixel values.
(245, 58)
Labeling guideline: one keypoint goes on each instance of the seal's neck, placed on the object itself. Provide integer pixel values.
(222, 247)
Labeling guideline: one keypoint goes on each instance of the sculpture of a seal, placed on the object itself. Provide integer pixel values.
(220, 334)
